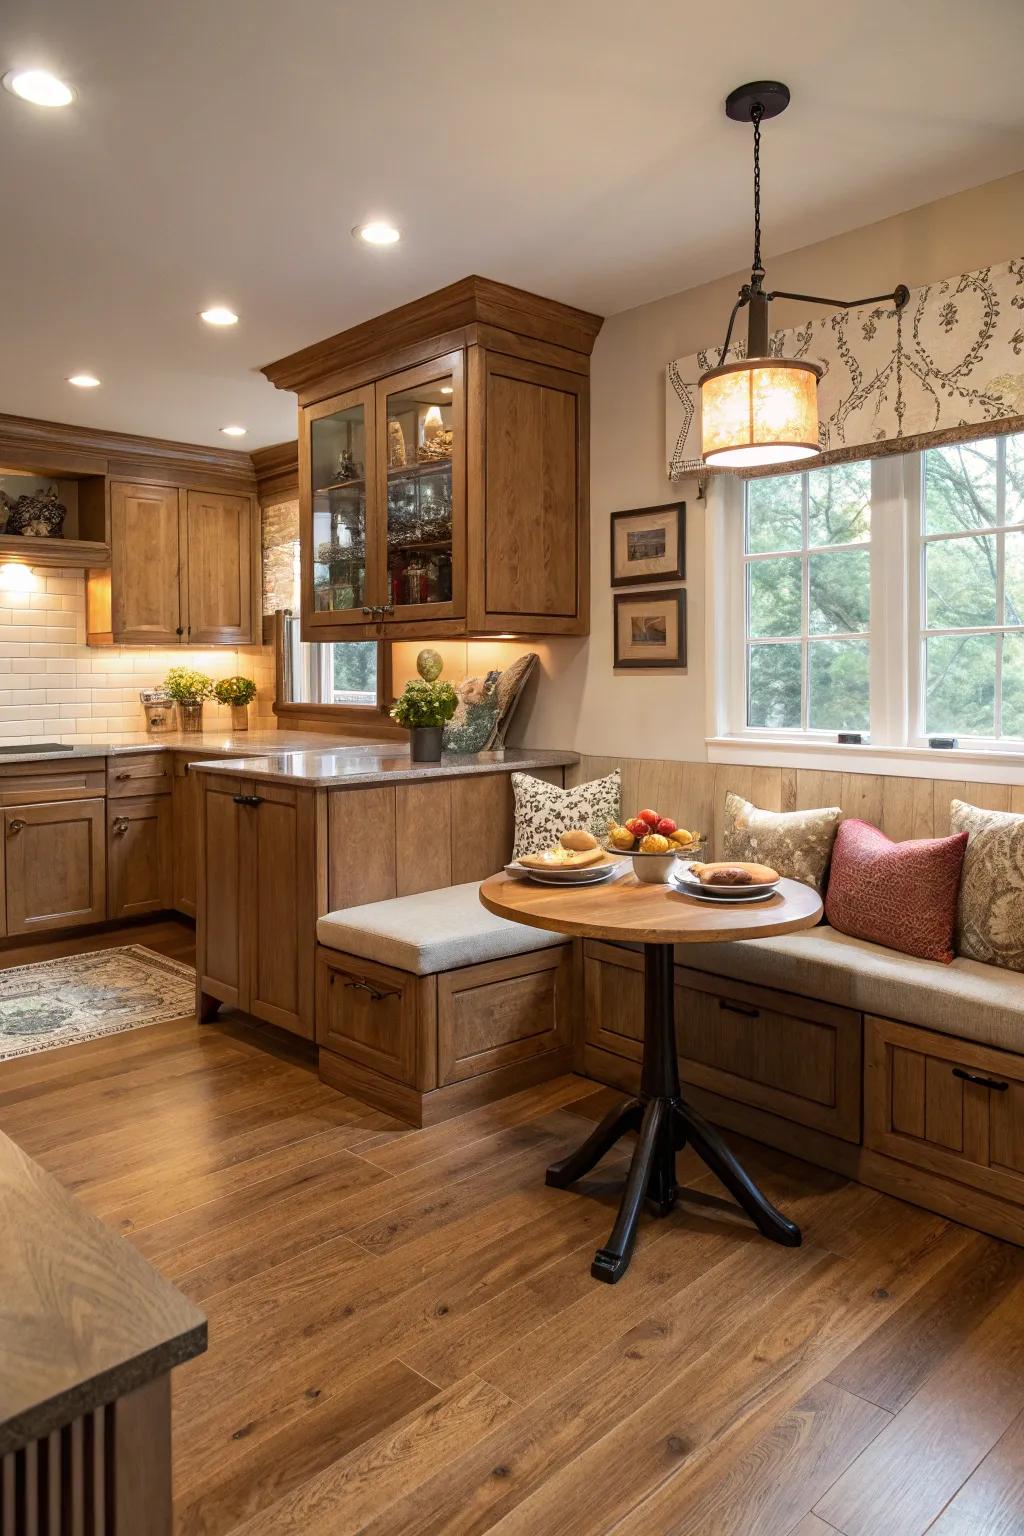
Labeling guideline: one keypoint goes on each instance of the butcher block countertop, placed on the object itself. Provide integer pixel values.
(348, 767)
(83, 1318)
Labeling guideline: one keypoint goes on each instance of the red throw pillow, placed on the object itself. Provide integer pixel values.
(902, 895)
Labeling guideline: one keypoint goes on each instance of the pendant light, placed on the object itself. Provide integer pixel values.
(762, 409)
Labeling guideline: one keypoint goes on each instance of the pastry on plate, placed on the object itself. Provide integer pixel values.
(561, 858)
(735, 874)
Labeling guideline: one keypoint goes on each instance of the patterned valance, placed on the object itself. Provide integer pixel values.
(948, 365)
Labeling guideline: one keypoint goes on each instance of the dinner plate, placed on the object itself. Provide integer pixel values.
(584, 874)
(603, 876)
(688, 882)
(726, 901)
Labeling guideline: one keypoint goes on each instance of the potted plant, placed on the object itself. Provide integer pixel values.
(424, 708)
(239, 692)
(188, 689)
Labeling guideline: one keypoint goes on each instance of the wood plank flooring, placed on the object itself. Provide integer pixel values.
(405, 1339)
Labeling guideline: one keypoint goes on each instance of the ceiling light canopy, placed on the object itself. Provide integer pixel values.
(219, 314)
(378, 232)
(39, 87)
(84, 380)
(764, 410)
(233, 431)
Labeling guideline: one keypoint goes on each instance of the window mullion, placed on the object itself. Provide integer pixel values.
(805, 599)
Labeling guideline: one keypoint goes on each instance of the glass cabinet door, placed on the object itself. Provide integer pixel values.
(421, 473)
(340, 553)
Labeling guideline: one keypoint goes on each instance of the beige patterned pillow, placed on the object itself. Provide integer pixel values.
(796, 843)
(990, 917)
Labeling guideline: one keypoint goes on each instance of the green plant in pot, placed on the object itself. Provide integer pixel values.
(239, 692)
(424, 709)
(189, 689)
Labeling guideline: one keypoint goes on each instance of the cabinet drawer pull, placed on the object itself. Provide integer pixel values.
(120, 825)
(364, 986)
(124, 774)
(247, 799)
(15, 825)
(748, 1013)
(979, 1081)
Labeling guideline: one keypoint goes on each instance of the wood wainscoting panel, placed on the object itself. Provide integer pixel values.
(423, 836)
(482, 817)
(361, 846)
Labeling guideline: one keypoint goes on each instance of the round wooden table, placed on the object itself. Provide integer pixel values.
(657, 916)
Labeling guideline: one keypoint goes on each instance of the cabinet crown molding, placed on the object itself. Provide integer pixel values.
(471, 301)
(53, 447)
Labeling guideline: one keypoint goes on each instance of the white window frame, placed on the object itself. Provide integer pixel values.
(896, 631)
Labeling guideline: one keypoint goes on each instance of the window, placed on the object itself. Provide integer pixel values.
(884, 596)
(343, 673)
(808, 599)
(972, 574)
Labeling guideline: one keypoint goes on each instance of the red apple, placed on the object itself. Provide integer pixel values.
(666, 826)
(651, 817)
(638, 826)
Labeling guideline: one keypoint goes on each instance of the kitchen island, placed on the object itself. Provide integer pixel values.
(285, 839)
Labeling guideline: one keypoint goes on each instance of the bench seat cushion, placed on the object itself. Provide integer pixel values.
(966, 998)
(433, 931)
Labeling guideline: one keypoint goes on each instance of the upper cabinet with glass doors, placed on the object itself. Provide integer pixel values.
(443, 463)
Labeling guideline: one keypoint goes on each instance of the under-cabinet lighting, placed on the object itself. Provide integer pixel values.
(39, 87)
(17, 578)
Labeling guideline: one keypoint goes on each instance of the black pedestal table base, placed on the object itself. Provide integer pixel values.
(665, 1123)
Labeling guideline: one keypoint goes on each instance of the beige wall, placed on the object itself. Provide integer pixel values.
(582, 702)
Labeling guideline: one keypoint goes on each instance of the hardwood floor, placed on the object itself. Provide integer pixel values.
(405, 1338)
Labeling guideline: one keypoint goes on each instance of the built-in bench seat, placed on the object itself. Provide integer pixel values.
(427, 1004)
(966, 999)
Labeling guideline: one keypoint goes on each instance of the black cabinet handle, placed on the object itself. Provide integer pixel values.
(179, 630)
(748, 1013)
(248, 799)
(979, 1081)
(364, 986)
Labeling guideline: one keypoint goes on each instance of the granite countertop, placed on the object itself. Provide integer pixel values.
(83, 1317)
(216, 743)
(349, 766)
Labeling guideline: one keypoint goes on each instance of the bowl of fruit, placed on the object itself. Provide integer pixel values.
(655, 843)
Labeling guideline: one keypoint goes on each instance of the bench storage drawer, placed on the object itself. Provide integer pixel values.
(502, 1013)
(368, 1013)
(786, 1055)
(946, 1106)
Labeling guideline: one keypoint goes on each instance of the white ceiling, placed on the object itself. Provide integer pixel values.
(222, 150)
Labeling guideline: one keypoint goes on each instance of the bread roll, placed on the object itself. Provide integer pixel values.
(562, 858)
(578, 841)
(738, 874)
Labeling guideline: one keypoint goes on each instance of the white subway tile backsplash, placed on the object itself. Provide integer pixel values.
(54, 686)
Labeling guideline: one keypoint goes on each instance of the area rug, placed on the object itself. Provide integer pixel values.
(80, 997)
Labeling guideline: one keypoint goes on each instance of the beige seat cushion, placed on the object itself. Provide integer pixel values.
(434, 931)
(968, 999)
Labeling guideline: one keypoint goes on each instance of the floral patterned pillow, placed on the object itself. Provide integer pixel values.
(796, 843)
(544, 811)
(990, 916)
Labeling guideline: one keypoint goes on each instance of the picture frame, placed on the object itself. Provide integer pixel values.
(649, 628)
(648, 544)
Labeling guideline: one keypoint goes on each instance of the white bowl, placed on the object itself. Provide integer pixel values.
(654, 868)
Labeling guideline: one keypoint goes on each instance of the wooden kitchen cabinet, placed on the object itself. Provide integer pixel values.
(54, 865)
(443, 474)
(184, 569)
(138, 856)
(256, 908)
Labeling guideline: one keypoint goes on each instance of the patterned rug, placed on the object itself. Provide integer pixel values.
(80, 997)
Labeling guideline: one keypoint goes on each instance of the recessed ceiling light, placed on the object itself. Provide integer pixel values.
(233, 431)
(84, 380)
(219, 315)
(377, 232)
(39, 87)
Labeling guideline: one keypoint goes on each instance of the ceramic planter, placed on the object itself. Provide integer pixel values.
(425, 743)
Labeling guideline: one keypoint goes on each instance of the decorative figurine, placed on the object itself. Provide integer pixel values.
(429, 665)
(396, 445)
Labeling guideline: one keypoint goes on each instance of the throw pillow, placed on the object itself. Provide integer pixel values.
(902, 895)
(990, 918)
(796, 843)
(544, 811)
(473, 724)
(508, 690)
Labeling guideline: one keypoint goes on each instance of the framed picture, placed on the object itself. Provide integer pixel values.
(649, 545)
(650, 628)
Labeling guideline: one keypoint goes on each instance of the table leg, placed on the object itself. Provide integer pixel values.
(665, 1123)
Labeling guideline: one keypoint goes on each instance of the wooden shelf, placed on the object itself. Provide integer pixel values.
(420, 544)
(72, 553)
(419, 469)
(338, 485)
